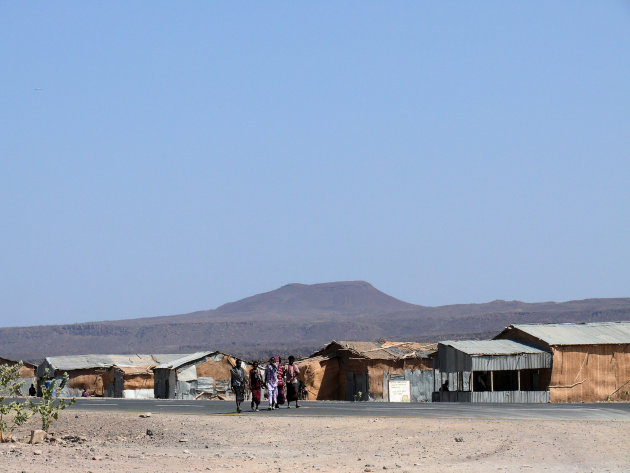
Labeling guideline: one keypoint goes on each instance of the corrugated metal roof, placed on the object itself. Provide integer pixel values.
(176, 363)
(491, 347)
(596, 333)
(80, 362)
(490, 355)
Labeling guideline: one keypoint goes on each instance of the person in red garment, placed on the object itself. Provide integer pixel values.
(281, 391)
(255, 386)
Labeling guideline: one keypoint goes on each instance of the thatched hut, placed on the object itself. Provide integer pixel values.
(350, 370)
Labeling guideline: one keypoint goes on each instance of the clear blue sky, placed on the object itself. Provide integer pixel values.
(181, 155)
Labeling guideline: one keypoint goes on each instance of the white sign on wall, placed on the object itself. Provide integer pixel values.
(399, 391)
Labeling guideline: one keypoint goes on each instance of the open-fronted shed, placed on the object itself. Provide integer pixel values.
(591, 361)
(359, 370)
(492, 371)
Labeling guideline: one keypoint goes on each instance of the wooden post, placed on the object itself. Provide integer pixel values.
(492, 381)
(472, 382)
(518, 374)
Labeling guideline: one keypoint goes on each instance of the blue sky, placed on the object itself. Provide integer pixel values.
(182, 155)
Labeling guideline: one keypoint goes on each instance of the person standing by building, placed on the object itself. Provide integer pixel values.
(271, 380)
(281, 391)
(291, 372)
(255, 386)
(237, 375)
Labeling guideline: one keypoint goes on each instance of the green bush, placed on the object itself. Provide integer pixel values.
(50, 405)
(15, 413)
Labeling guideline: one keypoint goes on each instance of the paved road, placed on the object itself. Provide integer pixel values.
(609, 411)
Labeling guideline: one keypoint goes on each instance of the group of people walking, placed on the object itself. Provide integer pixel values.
(281, 382)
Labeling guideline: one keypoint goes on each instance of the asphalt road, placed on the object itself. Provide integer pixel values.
(597, 411)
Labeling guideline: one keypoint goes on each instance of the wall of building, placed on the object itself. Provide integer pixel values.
(95, 380)
(320, 377)
(164, 383)
(27, 371)
(211, 376)
(380, 372)
(27, 375)
(129, 382)
(343, 377)
(495, 397)
(590, 373)
(214, 374)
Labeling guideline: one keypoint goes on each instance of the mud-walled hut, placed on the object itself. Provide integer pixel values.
(590, 361)
(369, 371)
(135, 382)
(204, 374)
(27, 373)
(104, 375)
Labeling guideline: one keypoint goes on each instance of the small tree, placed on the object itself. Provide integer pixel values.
(50, 405)
(12, 414)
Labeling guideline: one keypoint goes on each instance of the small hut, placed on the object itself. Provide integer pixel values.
(104, 375)
(374, 371)
(135, 382)
(27, 373)
(195, 375)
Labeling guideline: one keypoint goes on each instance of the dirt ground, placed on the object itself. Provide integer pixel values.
(124, 442)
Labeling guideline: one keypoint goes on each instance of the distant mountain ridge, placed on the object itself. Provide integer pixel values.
(347, 298)
(297, 318)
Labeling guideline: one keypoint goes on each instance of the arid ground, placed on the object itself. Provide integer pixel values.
(262, 442)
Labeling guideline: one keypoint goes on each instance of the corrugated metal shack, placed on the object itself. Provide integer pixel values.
(190, 376)
(27, 373)
(104, 375)
(349, 370)
(491, 371)
(591, 361)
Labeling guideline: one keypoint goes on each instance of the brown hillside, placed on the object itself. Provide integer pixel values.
(297, 318)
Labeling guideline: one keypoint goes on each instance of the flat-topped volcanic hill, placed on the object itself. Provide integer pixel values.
(297, 318)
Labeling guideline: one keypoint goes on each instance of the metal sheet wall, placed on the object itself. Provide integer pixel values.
(186, 389)
(421, 384)
(496, 396)
(451, 360)
(205, 385)
(525, 361)
(510, 396)
(456, 382)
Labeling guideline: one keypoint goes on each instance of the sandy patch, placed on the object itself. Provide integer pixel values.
(262, 442)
